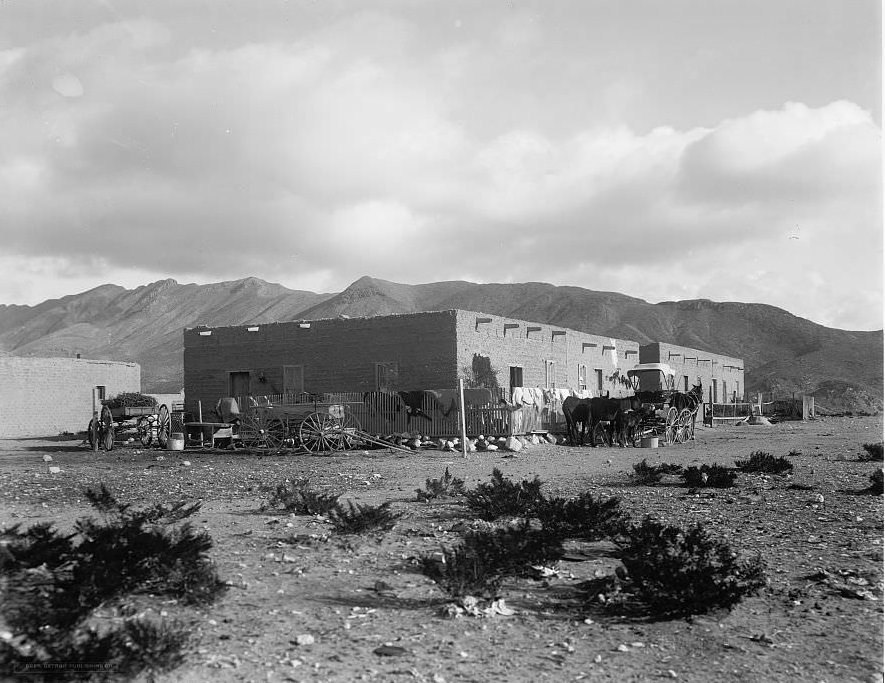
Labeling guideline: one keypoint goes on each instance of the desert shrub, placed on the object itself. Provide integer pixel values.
(484, 558)
(300, 498)
(446, 487)
(760, 461)
(714, 476)
(501, 497)
(876, 483)
(130, 399)
(681, 572)
(584, 517)
(872, 452)
(649, 475)
(55, 582)
(359, 518)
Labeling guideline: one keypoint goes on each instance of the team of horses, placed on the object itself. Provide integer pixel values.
(621, 417)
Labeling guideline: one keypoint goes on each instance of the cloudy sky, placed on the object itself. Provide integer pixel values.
(728, 150)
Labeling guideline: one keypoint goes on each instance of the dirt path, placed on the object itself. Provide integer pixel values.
(293, 578)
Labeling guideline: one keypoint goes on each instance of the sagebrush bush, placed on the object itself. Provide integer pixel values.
(876, 483)
(681, 572)
(503, 498)
(300, 498)
(484, 558)
(713, 476)
(649, 475)
(359, 518)
(55, 582)
(584, 517)
(872, 451)
(760, 461)
(445, 487)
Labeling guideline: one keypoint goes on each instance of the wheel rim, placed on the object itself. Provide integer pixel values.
(346, 436)
(145, 433)
(163, 423)
(263, 432)
(317, 433)
(670, 426)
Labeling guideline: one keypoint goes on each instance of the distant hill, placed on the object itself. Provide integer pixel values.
(781, 351)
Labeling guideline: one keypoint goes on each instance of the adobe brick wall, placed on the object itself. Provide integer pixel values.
(536, 346)
(694, 364)
(48, 396)
(336, 355)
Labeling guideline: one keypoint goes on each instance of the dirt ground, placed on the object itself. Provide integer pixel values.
(293, 576)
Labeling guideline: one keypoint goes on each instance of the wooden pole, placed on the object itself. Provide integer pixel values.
(199, 411)
(463, 419)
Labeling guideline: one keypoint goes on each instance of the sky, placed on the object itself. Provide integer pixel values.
(726, 150)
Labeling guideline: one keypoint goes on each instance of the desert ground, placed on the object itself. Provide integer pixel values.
(307, 604)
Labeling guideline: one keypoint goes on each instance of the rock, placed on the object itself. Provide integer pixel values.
(535, 440)
(471, 447)
(389, 651)
(55, 470)
(305, 639)
(47, 458)
(491, 447)
(511, 443)
(550, 439)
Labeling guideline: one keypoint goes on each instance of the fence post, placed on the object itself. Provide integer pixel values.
(463, 419)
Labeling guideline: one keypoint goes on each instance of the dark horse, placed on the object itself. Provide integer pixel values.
(609, 410)
(689, 401)
(576, 410)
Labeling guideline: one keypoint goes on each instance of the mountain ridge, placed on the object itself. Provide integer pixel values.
(781, 351)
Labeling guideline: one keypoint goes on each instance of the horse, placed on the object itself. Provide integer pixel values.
(609, 410)
(576, 410)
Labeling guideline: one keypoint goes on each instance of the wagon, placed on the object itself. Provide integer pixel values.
(310, 423)
(655, 385)
(151, 423)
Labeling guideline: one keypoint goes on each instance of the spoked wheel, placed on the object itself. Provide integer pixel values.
(164, 423)
(683, 426)
(145, 431)
(319, 432)
(107, 428)
(346, 436)
(262, 431)
(93, 433)
(601, 434)
(671, 426)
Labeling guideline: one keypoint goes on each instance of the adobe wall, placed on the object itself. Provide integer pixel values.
(550, 356)
(48, 396)
(336, 355)
(728, 372)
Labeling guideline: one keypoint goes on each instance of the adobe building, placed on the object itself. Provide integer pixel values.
(428, 350)
(44, 397)
(722, 377)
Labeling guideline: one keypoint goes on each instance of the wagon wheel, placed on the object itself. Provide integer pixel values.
(683, 426)
(601, 434)
(163, 426)
(264, 432)
(108, 436)
(145, 431)
(319, 432)
(671, 426)
(93, 433)
(346, 436)
(692, 416)
(107, 428)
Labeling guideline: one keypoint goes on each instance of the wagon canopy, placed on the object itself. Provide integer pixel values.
(652, 377)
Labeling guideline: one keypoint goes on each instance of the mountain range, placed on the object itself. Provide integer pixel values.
(782, 352)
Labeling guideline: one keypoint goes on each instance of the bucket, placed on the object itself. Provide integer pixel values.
(649, 442)
(175, 442)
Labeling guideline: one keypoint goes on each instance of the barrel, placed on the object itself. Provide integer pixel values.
(175, 442)
(649, 442)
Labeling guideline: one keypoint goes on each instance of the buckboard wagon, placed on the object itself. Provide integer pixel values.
(151, 423)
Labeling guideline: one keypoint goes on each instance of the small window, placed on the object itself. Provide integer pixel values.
(515, 377)
(582, 377)
(724, 391)
(549, 374)
(240, 384)
(714, 388)
(598, 379)
(685, 383)
(101, 392)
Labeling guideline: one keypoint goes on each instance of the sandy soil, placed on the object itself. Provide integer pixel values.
(292, 576)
